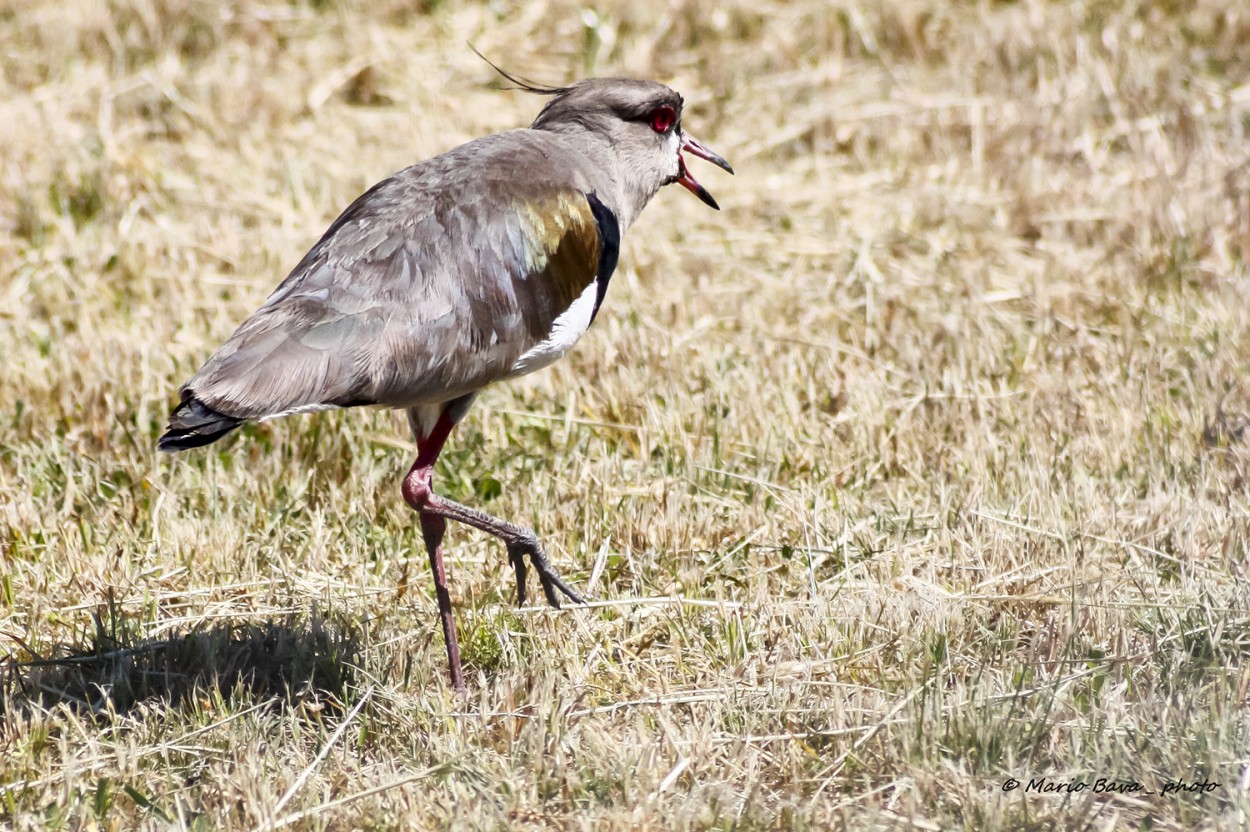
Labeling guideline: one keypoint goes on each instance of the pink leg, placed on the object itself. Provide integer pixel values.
(417, 490)
(435, 511)
(432, 529)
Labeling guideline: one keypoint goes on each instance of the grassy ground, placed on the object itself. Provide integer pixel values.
(920, 467)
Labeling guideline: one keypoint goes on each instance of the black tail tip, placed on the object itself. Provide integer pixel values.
(194, 424)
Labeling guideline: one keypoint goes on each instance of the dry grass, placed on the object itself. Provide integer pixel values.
(921, 466)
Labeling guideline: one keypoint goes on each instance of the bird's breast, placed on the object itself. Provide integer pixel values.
(567, 328)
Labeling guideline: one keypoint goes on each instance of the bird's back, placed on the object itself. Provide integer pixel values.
(429, 286)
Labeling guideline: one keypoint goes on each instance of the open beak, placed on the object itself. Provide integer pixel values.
(690, 144)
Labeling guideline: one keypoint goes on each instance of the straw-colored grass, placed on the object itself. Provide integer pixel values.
(921, 466)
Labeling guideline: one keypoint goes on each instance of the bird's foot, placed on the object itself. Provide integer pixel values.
(517, 550)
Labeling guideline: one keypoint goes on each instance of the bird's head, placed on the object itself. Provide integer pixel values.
(640, 122)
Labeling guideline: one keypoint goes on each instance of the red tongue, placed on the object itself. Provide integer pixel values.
(691, 184)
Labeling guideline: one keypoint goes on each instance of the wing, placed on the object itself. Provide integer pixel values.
(433, 284)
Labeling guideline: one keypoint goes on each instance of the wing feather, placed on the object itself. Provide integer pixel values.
(428, 287)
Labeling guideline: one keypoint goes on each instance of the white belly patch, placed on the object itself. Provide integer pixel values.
(565, 331)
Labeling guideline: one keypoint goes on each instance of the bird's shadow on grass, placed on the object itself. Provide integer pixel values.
(107, 672)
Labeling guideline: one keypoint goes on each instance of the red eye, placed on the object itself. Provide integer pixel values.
(663, 118)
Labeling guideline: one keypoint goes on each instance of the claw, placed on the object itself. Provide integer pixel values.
(551, 579)
(516, 554)
(547, 576)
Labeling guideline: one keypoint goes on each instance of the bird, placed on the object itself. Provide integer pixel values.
(479, 265)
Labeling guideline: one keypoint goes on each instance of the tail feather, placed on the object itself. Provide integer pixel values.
(193, 424)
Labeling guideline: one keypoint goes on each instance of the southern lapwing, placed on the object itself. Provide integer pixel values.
(479, 265)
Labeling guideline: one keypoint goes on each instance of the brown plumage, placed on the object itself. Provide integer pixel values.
(484, 263)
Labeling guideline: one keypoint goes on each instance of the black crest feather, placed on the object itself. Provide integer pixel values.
(519, 82)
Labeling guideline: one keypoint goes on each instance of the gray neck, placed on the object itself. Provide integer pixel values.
(621, 182)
